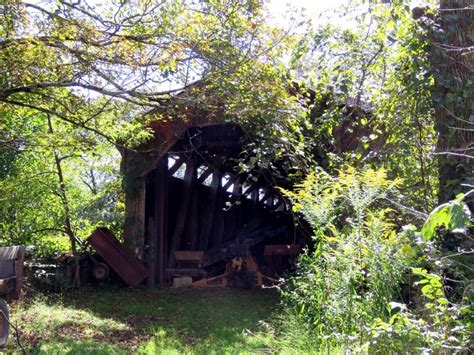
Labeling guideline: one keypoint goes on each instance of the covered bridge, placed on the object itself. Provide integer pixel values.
(188, 208)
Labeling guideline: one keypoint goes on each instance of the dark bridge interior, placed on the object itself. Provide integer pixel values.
(201, 213)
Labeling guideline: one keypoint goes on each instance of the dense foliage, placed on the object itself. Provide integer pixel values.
(358, 260)
(35, 202)
(97, 73)
(373, 82)
(369, 110)
(355, 287)
(347, 291)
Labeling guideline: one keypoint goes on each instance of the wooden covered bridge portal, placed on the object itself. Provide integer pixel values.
(190, 212)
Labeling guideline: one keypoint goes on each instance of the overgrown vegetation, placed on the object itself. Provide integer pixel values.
(358, 261)
(100, 73)
(377, 135)
(348, 286)
(379, 275)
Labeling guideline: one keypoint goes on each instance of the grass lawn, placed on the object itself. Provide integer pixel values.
(115, 320)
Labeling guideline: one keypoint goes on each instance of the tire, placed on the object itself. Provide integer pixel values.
(4, 324)
(100, 271)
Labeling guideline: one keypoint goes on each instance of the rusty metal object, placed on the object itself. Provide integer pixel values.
(240, 272)
(100, 271)
(119, 258)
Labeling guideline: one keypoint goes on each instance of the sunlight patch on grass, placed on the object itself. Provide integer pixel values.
(78, 347)
(57, 318)
(50, 327)
(112, 320)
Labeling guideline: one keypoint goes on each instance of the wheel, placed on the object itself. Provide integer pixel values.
(100, 271)
(4, 324)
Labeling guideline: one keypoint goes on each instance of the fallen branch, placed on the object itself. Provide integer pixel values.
(17, 333)
(411, 210)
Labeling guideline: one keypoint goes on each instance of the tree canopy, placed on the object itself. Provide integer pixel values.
(368, 115)
(96, 71)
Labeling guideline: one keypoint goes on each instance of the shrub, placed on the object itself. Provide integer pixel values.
(357, 263)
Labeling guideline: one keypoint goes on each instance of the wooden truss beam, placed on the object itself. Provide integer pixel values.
(176, 166)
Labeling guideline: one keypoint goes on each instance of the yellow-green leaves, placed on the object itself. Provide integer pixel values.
(358, 259)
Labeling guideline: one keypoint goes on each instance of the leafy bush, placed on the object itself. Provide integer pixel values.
(51, 246)
(436, 324)
(357, 264)
(345, 294)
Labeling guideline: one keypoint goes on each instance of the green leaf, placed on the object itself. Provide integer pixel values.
(426, 289)
(442, 301)
(453, 215)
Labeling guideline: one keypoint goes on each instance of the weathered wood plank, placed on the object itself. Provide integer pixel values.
(193, 218)
(160, 184)
(175, 166)
(205, 175)
(170, 272)
(119, 258)
(189, 255)
(189, 176)
(152, 253)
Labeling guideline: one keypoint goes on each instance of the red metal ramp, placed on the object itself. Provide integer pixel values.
(125, 264)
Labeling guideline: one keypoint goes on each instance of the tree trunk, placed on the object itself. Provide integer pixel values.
(452, 56)
(134, 227)
(67, 211)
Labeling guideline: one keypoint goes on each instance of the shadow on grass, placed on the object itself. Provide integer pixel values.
(117, 320)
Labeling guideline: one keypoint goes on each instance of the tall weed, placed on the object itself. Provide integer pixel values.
(357, 262)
